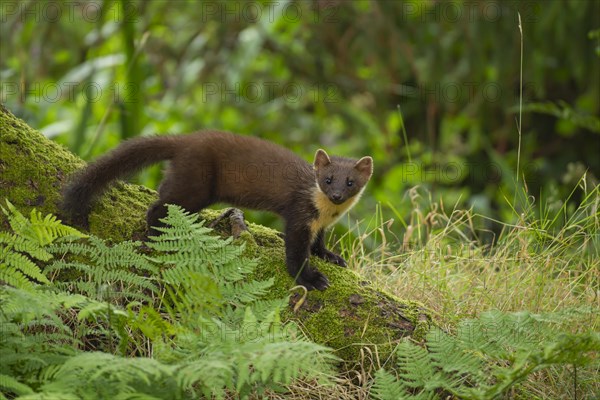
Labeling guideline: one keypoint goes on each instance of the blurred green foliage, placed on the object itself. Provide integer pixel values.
(354, 77)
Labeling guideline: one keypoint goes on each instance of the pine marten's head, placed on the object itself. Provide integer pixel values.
(341, 178)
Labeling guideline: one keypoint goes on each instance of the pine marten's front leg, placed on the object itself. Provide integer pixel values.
(297, 252)
(318, 249)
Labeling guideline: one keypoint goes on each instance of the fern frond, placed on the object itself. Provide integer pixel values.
(13, 277)
(194, 309)
(17, 221)
(61, 265)
(24, 245)
(209, 249)
(387, 387)
(38, 229)
(96, 309)
(62, 247)
(414, 367)
(122, 255)
(21, 263)
(209, 376)
(182, 229)
(261, 308)
(241, 293)
(580, 349)
(124, 278)
(8, 384)
(487, 356)
(108, 376)
(33, 335)
(462, 362)
(115, 277)
(46, 229)
(300, 357)
(152, 324)
(232, 269)
(194, 296)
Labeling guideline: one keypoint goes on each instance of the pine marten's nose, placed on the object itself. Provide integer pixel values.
(336, 197)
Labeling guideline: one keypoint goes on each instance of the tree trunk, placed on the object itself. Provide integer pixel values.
(348, 316)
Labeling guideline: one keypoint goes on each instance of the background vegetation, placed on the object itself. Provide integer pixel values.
(347, 76)
(430, 89)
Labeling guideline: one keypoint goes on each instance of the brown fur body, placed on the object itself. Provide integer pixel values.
(212, 166)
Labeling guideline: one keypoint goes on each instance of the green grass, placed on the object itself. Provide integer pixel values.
(544, 261)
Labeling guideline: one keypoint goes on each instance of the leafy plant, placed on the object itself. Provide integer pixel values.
(117, 273)
(290, 80)
(486, 357)
(183, 321)
(565, 111)
(27, 242)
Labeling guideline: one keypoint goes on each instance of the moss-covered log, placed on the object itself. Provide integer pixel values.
(348, 316)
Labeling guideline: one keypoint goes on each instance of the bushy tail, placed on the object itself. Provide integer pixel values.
(126, 159)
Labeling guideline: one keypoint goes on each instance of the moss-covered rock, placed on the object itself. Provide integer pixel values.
(348, 316)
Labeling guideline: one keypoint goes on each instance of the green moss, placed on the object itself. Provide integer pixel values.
(349, 315)
(266, 237)
(32, 168)
(126, 206)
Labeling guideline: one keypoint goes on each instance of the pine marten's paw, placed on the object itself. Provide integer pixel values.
(333, 258)
(316, 281)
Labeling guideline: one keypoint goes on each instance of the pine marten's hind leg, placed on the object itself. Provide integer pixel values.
(191, 195)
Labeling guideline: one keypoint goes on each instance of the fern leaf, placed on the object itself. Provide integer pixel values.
(107, 376)
(212, 374)
(17, 221)
(246, 292)
(44, 230)
(61, 265)
(11, 385)
(414, 367)
(38, 229)
(23, 264)
(152, 323)
(61, 247)
(13, 277)
(204, 320)
(387, 387)
(23, 245)
(463, 363)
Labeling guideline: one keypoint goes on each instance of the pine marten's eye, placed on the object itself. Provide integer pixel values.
(349, 183)
(328, 181)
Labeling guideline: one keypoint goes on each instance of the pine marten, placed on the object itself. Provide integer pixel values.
(211, 166)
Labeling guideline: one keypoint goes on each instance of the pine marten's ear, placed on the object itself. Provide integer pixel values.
(365, 166)
(321, 159)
